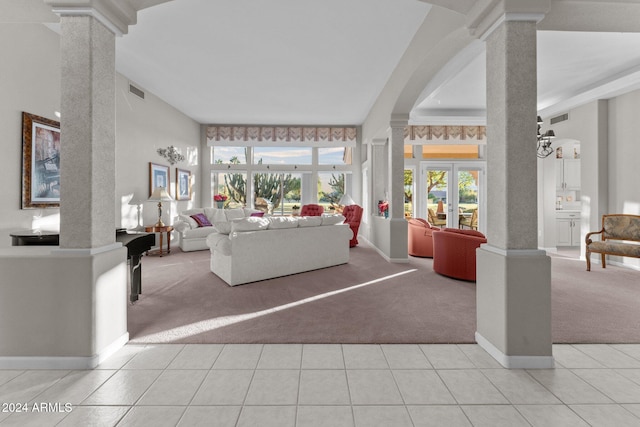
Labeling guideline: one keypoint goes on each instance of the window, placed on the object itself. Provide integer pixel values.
(331, 187)
(233, 185)
(334, 156)
(229, 155)
(276, 193)
(282, 155)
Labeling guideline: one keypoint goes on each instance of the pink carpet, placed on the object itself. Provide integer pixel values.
(366, 301)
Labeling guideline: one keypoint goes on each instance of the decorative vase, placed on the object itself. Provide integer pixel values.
(295, 212)
(220, 204)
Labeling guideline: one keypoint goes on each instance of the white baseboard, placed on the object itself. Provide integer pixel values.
(383, 255)
(515, 362)
(53, 362)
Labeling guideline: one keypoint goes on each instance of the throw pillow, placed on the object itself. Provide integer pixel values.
(257, 214)
(201, 219)
(249, 224)
(279, 222)
(309, 221)
(332, 219)
(187, 219)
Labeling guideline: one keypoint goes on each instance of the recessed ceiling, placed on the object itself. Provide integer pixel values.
(269, 62)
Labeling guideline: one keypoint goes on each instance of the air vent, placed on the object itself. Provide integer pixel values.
(136, 91)
(559, 119)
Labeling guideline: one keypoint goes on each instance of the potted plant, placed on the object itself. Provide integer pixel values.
(220, 199)
(295, 210)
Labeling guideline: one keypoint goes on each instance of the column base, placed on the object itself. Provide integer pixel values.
(513, 298)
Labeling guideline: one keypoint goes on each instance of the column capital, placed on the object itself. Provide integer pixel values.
(483, 18)
(116, 15)
(399, 121)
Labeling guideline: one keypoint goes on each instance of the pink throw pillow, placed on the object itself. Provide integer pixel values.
(257, 214)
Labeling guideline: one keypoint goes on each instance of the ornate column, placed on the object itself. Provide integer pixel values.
(513, 276)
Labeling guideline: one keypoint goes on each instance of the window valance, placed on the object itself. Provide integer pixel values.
(307, 136)
(445, 134)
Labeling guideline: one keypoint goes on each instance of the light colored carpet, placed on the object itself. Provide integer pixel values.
(366, 301)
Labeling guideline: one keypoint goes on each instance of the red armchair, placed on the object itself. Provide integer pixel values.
(454, 252)
(311, 210)
(420, 237)
(353, 216)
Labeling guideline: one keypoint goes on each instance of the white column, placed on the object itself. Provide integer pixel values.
(513, 276)
(87, 184)
(396, 168)
(378, 172)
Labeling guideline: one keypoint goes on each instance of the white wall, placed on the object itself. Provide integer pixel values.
(143, 126)
(30, 81)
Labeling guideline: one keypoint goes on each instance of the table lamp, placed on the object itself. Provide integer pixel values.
(160, 195)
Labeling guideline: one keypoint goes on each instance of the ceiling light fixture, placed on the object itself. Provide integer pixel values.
(544, 141)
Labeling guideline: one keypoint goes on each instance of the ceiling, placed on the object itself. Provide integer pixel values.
(325, 62)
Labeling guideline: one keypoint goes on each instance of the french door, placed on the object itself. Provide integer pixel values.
(451, 192)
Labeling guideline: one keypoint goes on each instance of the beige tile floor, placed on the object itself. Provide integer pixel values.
(329, 385)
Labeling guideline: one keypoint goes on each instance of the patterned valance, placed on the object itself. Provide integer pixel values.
(449, 134)
(286, 135)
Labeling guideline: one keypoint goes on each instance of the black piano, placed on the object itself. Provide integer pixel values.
(135, 242)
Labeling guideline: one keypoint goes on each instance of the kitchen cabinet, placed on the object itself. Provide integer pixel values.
(568, 228)
(567, 174)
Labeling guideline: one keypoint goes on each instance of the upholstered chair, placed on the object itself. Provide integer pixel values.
(311, 210)
(353, 216)
(454, 252)
(421, 237)
(471, 222)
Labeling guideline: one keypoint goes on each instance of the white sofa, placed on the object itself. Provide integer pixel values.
(191, 237)
(262, 248)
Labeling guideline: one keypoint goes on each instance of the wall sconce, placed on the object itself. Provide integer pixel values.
(171, 154)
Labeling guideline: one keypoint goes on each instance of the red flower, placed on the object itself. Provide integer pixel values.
(219, 198)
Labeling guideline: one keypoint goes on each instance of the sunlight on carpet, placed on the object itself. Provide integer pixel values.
(219, 322)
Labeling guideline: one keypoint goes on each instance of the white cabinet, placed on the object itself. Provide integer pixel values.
(568, 229)
(567, 174)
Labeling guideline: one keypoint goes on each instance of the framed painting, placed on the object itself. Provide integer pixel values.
(40, 162)
(183, 184)
(158, 177)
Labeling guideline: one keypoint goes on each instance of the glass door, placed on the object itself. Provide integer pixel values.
(452, 194)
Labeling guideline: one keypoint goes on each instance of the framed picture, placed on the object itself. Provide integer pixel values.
(40, 162)
(183, 184)
(158, 177)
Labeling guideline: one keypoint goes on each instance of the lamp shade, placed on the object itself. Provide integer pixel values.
(346, 200)
(160, 195)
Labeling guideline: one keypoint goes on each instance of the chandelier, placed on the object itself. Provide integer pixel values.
(544, 141)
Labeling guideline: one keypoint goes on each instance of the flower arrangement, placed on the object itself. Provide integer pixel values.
(383, 208)
(295, 207)
(219, 198)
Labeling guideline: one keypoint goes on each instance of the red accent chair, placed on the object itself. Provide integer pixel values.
(420, 237)
(454, 252)
(311, 210)
(353, 216)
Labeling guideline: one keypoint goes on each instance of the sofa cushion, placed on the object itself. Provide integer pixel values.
(196, 233)
(218, 216)
(332, 219)
(232, 214)
(202, 220)
(222, 227)
(210, 213)
(188, 220)
(251, 223)
(220, 243)
(309, 221)
(278, 222)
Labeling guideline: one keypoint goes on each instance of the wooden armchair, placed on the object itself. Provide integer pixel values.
(471, 222)
(434, 220)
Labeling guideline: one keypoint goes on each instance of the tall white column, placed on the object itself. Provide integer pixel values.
(87, 182)
(378, 172)
(396, 168)
(513, 276)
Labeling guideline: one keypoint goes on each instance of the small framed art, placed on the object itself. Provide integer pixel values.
(158, 177)
(183, 184)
